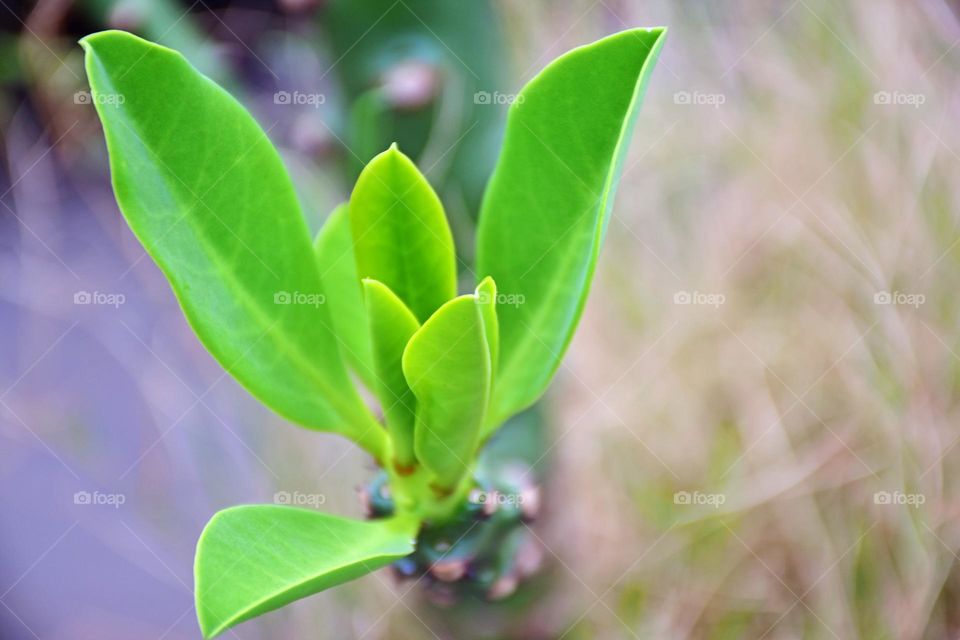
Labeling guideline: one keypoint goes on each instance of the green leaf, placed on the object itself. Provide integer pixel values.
(256, 558)
(391, 326)
(344, 297)
(208, 197)
(400, 234)
(548, 203)
(486, 293)
(447, 364)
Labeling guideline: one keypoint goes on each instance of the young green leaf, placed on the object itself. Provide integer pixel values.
(208, 197)
(548, 202)
(338, 272)
(400, 233)
(256, 558)
(486, 293)
(391, 326)
(447, 364)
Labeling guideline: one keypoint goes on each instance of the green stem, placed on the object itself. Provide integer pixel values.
(372, 437)
(414, 494)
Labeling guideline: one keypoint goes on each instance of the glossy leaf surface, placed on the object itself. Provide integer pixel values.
(256, 558)
(486, 293)
(344, 297)
(206, 194)
(392, 325)
(400, 234)
(447, 364)
(548, 203)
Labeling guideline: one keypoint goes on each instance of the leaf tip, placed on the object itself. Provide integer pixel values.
(485, 284)
(368, 284)
(90, 41)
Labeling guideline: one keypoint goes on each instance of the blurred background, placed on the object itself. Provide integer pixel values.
(754, 434)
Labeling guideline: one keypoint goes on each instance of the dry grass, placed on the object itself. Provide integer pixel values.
(794, 203)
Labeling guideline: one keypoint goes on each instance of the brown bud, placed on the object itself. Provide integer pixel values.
(449, 570)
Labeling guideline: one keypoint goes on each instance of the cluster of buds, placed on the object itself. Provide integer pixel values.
(486, 551)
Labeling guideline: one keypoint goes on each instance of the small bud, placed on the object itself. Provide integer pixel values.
(449, 570)
(125, 16)
(504, 587)
(410, 85)
(529, 558)
(530, 503)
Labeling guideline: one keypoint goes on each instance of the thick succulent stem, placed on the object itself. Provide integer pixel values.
(473, 542)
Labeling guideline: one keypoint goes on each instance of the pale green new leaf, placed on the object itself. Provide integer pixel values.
(391, 326)
(400, 233)
(447, 364)
(548, 203)
(486, 293)
(338, 272)
(256, 558)
(208, 197)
